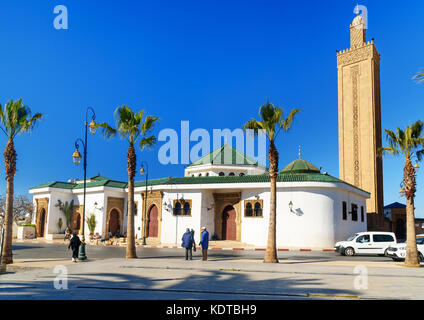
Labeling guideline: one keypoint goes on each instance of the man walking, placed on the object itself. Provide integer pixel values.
(188, 244)
(74, 244)
(204, 242)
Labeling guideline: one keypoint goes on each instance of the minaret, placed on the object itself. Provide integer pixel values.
(360, 119)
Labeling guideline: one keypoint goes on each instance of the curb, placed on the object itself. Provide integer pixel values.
(198, 247)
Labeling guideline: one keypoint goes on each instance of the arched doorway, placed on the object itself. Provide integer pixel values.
(229, 225)
(114, 226)
(152, 222)
(42, 222)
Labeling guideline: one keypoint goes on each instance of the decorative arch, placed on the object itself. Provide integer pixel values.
(153, 198)
(42, 205)
(117, 204)
(223, 200)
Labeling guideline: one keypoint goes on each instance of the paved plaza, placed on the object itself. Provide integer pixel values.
(163, 274)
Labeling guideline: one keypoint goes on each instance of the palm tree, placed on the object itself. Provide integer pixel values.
(271, 121)
(133, 127)
(66, 208)
(409, 143)
(15, 119)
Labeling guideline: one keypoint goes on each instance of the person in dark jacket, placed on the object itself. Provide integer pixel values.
(188, 244)
(204, 242)
(74, 244)
(194, 243)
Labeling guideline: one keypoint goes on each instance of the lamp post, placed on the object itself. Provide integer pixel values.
(142, 171)
(77, 160)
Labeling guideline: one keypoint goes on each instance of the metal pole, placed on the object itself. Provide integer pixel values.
(145, 203)
(82, 255)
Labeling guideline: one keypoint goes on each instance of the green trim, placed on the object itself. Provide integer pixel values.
(217, 157)
(262, 178)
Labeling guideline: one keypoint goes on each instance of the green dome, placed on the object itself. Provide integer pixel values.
(300, 165)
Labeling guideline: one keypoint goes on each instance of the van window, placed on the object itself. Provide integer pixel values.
(363, 239)
(382, 238)
(352, 237)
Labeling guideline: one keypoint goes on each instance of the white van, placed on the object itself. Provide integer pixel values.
(372, 242)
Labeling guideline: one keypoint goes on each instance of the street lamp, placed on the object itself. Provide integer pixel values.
(76, 157)
(145, 170)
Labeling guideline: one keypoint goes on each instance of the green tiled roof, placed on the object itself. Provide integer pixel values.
(99, 181)
(225, 155)
(300, 165)
(262, 178)
(282, 177)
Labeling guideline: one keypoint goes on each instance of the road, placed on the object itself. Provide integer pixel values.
(56, 251)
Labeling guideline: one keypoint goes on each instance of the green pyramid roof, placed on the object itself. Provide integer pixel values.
(226, 155)
(300, 166)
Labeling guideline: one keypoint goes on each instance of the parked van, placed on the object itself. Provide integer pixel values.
(372, 242)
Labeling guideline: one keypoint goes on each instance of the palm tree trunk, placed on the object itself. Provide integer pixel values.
(271, 249)
(10, 166)
(411, 259)
(131, 165)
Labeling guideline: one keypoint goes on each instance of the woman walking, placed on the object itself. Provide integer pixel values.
(74, 244)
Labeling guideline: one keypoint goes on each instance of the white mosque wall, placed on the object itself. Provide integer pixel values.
(173, 227)
(315, 219)
(207, 212)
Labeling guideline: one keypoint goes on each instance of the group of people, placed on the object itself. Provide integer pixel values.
(189, 244)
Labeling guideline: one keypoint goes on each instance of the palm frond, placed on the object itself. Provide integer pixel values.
(107, 131)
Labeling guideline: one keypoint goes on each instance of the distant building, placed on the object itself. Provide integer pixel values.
(395, 220)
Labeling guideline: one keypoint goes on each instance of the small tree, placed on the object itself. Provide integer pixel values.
(60, 224)
(66, 209)
(91, 223)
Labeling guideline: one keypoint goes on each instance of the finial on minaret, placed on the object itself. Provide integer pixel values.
(356, 10)
(300, 152)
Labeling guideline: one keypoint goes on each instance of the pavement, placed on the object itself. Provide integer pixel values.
(172, 278)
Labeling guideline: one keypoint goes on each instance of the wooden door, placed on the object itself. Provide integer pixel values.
(152, 226)
(42, 222)
(229, 223)
(114, 222)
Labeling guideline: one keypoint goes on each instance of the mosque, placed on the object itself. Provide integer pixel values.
(230, 195)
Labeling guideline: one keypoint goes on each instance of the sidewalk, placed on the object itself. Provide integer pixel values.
(213, 245)
(166, 278)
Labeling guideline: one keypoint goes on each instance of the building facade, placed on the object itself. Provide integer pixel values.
(314, 209)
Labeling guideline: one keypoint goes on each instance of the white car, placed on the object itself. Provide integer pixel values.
(372, 242)
(398, 251)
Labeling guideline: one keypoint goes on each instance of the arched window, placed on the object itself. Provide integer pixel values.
(248, 211)
(258, 209)
(241, 174)
(187, 209)
(221, 174)
(177, 208)
(207, 174)
(231, 174)
(200, 174)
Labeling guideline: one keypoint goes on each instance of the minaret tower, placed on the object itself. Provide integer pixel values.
(360, 119)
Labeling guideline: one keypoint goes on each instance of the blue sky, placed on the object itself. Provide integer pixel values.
(212, 63)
